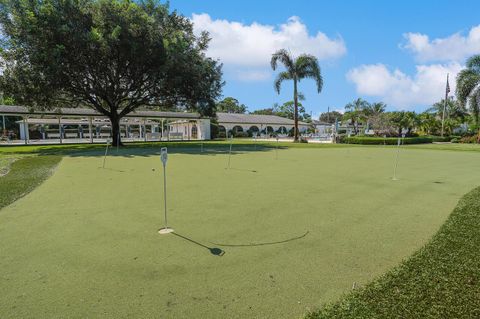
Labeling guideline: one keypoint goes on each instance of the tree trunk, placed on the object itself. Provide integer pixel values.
(295, 112)
(115, 121)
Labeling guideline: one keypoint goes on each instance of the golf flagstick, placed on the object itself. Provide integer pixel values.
(396, 160)
(164, 158)
(106, 151)
(230, 152)
(276, 150)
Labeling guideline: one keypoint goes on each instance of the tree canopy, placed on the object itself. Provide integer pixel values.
(111, 55)
(231, 105)
(329, 117)
(468, 87)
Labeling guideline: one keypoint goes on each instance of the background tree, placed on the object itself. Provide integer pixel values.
(403, 120)
(428, 123)
(355, 112)
(111, 55)
(305, 66)
(468, 87)
(267, 111)
(287, 110)
(329, 117)
(231, 105)
(454, 110)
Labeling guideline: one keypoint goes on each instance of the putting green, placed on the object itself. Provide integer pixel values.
(297, 231)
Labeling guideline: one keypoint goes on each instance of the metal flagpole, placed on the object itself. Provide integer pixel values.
(164, 158)
(106, 151)
(396, 161)
(230, 152)
(447, 90)
(276, 150)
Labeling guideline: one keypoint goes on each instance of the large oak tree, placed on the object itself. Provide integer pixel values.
(111, 55)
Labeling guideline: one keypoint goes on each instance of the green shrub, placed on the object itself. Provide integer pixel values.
(384, 141)
(240, 134)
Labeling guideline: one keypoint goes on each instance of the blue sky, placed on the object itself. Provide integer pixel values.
(398, 52)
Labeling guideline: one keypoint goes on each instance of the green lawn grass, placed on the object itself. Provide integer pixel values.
(20, 176)
(442, 280)
(297, 231)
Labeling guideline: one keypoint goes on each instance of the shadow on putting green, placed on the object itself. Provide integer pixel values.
(213, 250)
(264, 244)
(241, 169)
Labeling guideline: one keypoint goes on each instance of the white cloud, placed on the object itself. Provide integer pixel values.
(253, 75)
(402, 91)
(251, 45)
(455, 47)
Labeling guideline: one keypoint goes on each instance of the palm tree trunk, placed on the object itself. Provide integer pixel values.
(295, 113)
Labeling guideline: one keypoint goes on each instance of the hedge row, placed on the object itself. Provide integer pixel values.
(441, 280)
(364, 140)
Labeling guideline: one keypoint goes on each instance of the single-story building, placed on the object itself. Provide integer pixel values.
(83, 125)
(248, 123)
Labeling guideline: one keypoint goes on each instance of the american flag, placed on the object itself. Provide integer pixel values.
(448, 87)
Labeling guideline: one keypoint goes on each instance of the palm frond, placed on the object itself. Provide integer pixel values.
(473, 63)
(284, 57)
(307, 66)
(282, 76)
(467, 81)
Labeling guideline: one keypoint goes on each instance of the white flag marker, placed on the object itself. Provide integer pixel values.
(230, 152)
(396, 159)
(106, 152)
(164, 158)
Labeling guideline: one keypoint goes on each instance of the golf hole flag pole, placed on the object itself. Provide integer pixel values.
(276, 149)
(164, 158)
(396, 157)
(230, 151)
(106, 152)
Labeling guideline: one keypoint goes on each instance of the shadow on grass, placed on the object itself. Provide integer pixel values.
(145, 148)
(241, 169)
(213, 250)
(264, 244)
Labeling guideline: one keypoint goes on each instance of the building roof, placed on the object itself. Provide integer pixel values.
(22, 110)
(254, 119)
(84, 121)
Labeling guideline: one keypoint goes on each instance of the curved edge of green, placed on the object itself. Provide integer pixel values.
(24, 176)
(441, 280)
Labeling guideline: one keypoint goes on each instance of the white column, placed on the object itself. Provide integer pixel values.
(90, 129)
(145, 129)
(60, 129)
(161, 130)
(25, 129)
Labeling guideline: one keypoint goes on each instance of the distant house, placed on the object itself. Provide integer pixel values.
(323, 128)
(248, 123)
(258, 123)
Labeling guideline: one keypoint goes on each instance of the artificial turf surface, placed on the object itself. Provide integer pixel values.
(297, 231)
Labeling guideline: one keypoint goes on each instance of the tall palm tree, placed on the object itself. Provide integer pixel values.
(302, 67)
(355, 112)
(468, 87)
